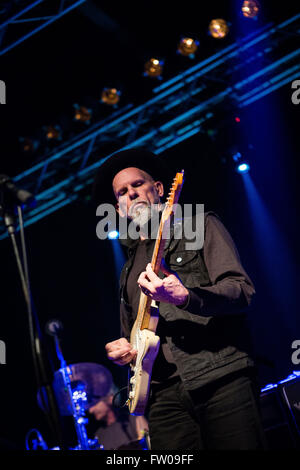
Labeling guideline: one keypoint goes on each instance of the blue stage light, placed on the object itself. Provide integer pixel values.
(243, 168)
(113, 235)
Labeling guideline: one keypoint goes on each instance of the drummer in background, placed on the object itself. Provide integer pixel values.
(117, 428)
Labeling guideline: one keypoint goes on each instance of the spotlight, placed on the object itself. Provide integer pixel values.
(243, 168)
(53, 132)
(187, 47)
(113, 235)
(218, 28)
(110, 96)
(153, 68)
(250, 8)
(82, 114)
(28, 145)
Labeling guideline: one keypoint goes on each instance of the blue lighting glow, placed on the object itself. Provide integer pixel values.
(113, 235)
(243, 168)
(292, 376)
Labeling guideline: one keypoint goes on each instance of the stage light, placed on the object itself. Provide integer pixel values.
(82, 114)
(110, 96)
(187, 47)
(28, 145)
(218, 28)
(53, 132)
(243, 168)
(113, 235)
(237, 156)
(153, 68)
(250, 8)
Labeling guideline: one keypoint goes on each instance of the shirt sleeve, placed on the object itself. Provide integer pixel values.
(231, 289)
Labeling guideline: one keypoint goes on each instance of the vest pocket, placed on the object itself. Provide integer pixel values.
(181, 258)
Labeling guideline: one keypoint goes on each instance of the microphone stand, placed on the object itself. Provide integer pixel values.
(77, 398)
(43, 382)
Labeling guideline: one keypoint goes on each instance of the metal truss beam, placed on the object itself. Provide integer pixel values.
(20, 21)
(180, 108)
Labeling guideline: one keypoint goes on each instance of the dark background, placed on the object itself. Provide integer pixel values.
(72, 272)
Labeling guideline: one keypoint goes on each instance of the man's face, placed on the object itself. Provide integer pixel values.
(135, 192)
(101, 409)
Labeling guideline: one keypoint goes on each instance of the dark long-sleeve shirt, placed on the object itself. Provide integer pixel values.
(231, 288)
(228, 289)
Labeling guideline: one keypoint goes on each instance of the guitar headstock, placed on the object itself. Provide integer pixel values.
(174, 194)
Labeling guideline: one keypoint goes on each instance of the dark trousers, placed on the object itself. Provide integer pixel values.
(222, 415)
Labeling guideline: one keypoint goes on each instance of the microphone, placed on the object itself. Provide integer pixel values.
(19, 195)
(54, 327)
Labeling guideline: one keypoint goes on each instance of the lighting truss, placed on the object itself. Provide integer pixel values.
(180, 108)
(31, 19)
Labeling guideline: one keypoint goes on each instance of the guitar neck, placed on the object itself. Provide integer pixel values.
(144, 311)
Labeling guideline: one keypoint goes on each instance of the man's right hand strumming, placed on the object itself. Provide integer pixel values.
(120, 352)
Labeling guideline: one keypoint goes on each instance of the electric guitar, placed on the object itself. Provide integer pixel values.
(143, 337)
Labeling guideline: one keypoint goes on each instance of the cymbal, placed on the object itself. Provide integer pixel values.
(89, 377)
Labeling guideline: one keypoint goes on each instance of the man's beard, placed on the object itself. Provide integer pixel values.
(143, 214)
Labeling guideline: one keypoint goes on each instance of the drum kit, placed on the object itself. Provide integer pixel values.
(77, 388)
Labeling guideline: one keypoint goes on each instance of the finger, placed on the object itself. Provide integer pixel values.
(146, 292)
(116, 353)
(126, 358)
(155, 280)
(144, 282)
(142, 277)
(118, 343)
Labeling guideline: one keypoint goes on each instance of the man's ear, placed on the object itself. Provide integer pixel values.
(159, 188)
(120, 210)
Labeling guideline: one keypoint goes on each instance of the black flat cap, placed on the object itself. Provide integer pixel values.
(137, 157)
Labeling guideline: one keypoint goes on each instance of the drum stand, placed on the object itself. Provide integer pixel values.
(77, 399)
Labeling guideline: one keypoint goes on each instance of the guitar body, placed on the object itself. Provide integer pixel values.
(147, 344)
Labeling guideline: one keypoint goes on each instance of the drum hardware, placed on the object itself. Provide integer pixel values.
(76, 387)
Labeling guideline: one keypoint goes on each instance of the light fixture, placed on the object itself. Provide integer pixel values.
(110, 96)
(188, 47)
(113, 235)
(28, 145)
(53, 132)
(82, 114)
(153, 68)
(218, 28)
(243, 167)
(250, 8)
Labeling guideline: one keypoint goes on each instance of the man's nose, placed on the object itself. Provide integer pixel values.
(133, 193)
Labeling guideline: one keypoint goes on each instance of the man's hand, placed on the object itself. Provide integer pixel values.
(169, 290)
(120, 351)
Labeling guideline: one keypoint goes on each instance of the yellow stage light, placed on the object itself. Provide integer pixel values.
(187, 47)
(110, 96)
(153, 68)
(250, 8)
(53, 132)
(218, 28)
(82, 114)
